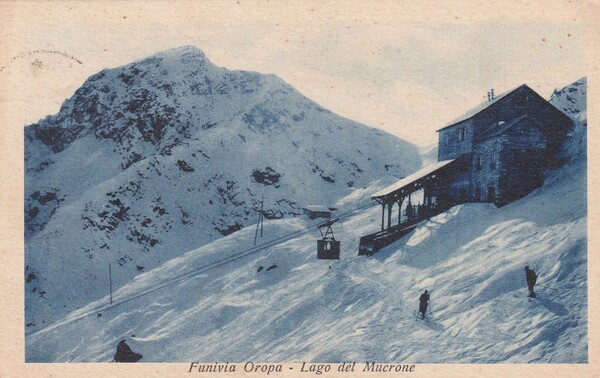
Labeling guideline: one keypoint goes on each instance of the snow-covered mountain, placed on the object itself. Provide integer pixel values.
(429, 154)
(572, 99)
(161, 156)
(280, 303)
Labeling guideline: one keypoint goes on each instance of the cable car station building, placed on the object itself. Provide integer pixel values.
(496, 152)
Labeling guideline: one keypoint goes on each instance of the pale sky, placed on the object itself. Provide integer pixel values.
(403, 76)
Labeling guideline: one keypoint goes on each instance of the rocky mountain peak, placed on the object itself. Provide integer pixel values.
(160, 156)
(185, 50)
(571, 99)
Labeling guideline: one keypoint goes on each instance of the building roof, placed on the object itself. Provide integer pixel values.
(479, 108)
(501, 127)
(317, 209)
(412, 178)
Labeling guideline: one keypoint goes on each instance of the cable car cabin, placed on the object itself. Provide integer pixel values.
(328, 248)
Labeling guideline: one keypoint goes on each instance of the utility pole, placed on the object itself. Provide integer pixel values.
(260, 220)
(110, 282)
(262, 203)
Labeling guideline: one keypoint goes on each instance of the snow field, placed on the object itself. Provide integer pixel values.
(471, 258)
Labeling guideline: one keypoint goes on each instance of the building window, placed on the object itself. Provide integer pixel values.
(493, 160)
(461, 134)
(478, 162)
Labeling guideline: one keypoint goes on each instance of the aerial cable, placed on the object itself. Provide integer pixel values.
(193, 273)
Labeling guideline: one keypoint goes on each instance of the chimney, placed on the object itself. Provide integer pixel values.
(492, 94)
(489, 97)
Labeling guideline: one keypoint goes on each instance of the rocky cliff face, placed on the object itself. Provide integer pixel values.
(163, 155)
(572, 99)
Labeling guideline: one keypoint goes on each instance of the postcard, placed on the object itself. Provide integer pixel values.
(264, 189)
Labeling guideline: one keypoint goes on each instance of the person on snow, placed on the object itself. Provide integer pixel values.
(125, 354)
(423, 302)
(531, 280)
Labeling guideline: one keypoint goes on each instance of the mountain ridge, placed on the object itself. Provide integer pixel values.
(151, 159)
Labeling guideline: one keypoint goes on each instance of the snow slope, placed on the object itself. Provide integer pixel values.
(161, 156)
(470, 258)
(429, 154)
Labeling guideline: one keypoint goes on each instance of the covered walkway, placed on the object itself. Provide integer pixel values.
(428, 179)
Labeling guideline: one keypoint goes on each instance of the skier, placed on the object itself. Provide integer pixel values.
(423, 301)
(531, 280)
(125, 354)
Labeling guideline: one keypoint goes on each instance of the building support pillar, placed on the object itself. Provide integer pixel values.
(400, 210)
(389, 220)
(382, 215)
